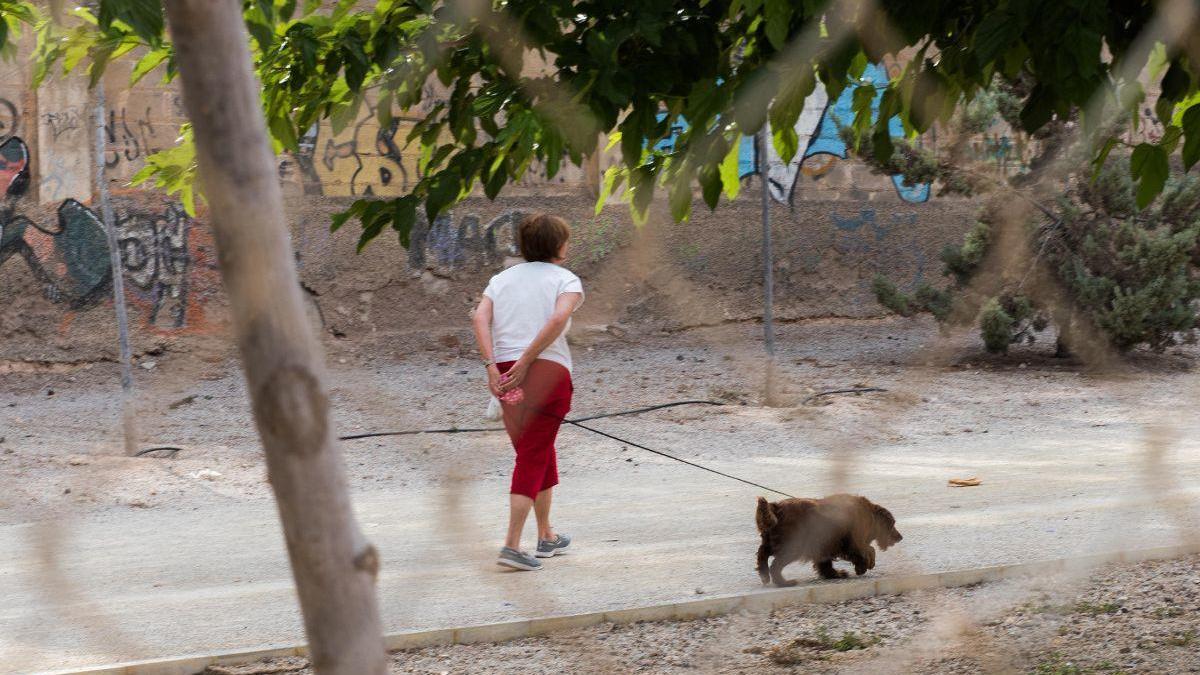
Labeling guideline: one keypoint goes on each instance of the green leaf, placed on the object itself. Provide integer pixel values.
(679, 195)
(495, 182)
(1164, 109)
(374, 216)
(786, 142)
(1150, 167)
(858, 65)
(995, 35)
(613, 177)
(729, 173)
(383, 110)
(778, 15)
(1098, 163)
(339, 219)
(1176, 83)
(145, 17)
(345, 115)
(149, 61)
(188, 197)
(1157, 61)
(710, 186)
(641, 194)
(283, 131)
(1038, 109)
(444, 188)
(881, 141)
(404, 216)
(263, 33)
(1170, 138)
(1191, 132)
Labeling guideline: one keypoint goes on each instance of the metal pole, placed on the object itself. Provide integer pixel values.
(768, 260)
(770, 395)
(118, 279)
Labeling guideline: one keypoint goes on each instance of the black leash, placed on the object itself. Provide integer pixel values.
(677, 459)
(456, 430)
(576, 422)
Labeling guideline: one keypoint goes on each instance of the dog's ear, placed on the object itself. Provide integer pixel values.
(883, 514)
(764, 515)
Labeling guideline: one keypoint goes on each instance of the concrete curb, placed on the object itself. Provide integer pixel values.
(756, 601)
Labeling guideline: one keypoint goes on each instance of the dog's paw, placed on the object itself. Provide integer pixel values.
(860, 570)
(786, 583)
(840, 574)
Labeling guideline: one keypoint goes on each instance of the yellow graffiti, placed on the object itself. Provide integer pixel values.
(365, 159)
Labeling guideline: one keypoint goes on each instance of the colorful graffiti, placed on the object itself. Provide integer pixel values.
(9, 119)
(827, 139)
(818, 131)
(14, 167)
(365, 159)
(70, 258)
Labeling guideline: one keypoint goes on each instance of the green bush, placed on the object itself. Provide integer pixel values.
(1128, 274)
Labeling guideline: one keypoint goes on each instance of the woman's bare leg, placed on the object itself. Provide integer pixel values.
(518, 512)
(541, 510)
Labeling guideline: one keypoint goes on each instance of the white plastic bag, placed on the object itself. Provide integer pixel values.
(493, 410)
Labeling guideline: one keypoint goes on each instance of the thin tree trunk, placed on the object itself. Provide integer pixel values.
(333, 564)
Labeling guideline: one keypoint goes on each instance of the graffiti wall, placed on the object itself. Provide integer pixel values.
(56, 269)
(64, 144)
(366, 159)
(820, 142)
(63, 250)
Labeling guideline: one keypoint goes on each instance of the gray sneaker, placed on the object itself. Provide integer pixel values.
(550, 548)
(519, 560)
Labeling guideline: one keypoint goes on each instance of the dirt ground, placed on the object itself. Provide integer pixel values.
(60, 440)
(60, 457)
(1141, 618)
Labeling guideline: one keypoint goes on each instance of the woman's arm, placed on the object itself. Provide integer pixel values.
(482, 321)
(563, 307)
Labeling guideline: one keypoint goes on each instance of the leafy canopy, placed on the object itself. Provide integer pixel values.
(632, 70)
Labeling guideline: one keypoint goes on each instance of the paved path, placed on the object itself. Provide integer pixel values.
(152, 583)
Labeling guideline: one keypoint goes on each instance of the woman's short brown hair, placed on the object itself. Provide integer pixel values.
(541, 236)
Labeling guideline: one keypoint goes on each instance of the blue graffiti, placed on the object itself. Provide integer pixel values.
(746, 163)
(828, 140)
(825, 139)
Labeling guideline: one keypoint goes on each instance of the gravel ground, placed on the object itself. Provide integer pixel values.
(1142, 618)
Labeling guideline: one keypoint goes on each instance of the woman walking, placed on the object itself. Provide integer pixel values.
(520, 326)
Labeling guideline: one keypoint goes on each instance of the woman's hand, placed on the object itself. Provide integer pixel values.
(494, 380)
(515, 376)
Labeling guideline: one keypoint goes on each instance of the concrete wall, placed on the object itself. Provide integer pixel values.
(838, 226)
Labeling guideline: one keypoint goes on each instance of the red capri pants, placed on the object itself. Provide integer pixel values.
(532, 425)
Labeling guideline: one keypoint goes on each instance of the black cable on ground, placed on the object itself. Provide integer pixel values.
(170, 451)
(856, 390)
(576, 422)
(455, 430)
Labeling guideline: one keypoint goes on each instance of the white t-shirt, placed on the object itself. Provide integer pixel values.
(523, 298)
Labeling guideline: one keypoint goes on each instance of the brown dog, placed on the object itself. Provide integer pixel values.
(821, 531)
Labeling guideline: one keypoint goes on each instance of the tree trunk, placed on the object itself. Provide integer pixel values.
(332, 562)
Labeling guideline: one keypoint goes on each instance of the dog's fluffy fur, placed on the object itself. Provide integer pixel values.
(821, 531)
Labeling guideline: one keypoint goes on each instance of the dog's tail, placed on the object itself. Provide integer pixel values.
(765, 516)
